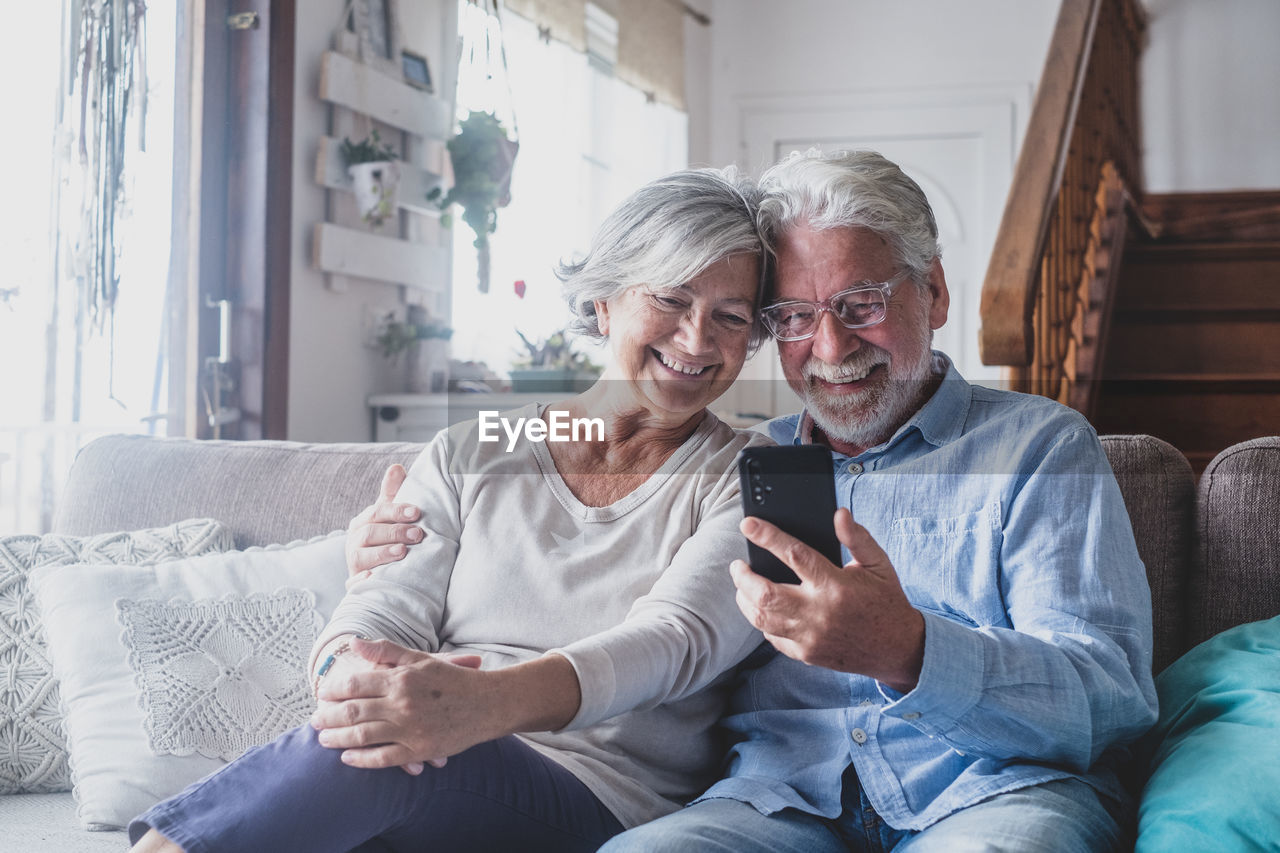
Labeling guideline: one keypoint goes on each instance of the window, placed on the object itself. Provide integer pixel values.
(587, 140)
(67, 379)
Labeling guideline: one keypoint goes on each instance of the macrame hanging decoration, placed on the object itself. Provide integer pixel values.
(483, 148)
(111, 68)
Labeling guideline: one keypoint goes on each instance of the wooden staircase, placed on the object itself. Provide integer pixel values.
(1156, 314)
(1194, 348)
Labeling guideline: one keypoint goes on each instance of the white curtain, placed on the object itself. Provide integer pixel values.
(62, 381)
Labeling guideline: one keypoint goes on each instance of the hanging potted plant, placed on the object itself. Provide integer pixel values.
(375, 175)
(482, 155)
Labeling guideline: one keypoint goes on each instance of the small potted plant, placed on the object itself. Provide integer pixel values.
(482, 155)
(550, 364)
(375, 175)
(425, 343)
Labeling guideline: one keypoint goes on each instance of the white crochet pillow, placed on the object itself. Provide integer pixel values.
(220, 675)
(169, 671)
(33, 748)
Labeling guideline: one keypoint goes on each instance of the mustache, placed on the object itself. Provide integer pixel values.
(857, 365)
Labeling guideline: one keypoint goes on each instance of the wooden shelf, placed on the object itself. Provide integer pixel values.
(415, 183)
(368, 96)
(347, 83)
(348, 252)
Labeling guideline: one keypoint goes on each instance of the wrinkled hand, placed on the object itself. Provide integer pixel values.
(404, 707)
(854, 618)
(382, 532)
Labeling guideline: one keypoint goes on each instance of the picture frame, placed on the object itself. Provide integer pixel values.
(373, 27)
(416, 71)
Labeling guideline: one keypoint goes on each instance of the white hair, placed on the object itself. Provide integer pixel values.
(852, 189)
(664, 235)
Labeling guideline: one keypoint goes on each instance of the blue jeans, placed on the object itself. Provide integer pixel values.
(295, 795)
(1066, 816)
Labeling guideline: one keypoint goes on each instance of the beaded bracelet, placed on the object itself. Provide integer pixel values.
(342, 649)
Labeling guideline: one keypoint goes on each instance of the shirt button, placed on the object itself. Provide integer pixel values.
(859, 736)
(854, 468)
(911, 715)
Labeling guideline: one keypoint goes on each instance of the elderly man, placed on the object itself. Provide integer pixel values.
(968, 679)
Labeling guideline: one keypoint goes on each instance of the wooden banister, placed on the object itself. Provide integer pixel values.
(1007, 294)
(1085, 115)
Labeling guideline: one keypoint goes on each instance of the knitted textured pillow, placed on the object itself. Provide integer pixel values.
(33, 749)
(220, 675)
(170, 669)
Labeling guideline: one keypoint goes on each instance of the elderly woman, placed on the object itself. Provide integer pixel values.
(589, 580)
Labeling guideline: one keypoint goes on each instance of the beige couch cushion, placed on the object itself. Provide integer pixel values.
(47, 823)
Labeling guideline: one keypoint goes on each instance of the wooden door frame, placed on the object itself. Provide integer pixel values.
(245, 214)
(279, 225)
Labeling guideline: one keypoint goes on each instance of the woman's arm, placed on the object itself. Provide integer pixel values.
(680, 636)
(405, 602)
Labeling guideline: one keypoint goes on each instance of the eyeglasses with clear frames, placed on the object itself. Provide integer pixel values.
(855, 308)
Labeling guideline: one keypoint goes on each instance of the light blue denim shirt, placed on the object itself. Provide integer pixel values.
(1004, 522)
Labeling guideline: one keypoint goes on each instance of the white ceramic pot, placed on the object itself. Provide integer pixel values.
(377, 187)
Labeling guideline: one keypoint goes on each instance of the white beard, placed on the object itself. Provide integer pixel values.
(869, 417)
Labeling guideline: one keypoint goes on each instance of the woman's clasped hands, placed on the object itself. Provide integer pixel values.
(385, 705)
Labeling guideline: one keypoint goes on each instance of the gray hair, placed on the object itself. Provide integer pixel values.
(852, 189)
(665, 234)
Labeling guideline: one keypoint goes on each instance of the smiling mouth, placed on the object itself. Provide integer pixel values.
(680, 367)
(850, 381)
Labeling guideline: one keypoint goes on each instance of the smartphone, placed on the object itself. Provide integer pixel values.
(794, 488)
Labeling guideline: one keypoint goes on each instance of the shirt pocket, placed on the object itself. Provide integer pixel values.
(951, 565)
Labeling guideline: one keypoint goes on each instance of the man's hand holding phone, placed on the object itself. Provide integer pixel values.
(792, 487)
(852, 618)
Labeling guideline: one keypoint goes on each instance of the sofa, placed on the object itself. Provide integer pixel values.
(1209, 547)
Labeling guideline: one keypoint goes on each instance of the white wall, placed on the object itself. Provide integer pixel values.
(331, 371)
(1210, 111)
(806, 47)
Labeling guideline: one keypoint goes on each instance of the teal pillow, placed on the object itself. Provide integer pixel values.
(1214, 780)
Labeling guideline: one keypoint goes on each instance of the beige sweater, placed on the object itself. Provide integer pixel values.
(637, 596)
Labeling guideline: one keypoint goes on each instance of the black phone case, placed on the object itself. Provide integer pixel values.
(793, 487)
